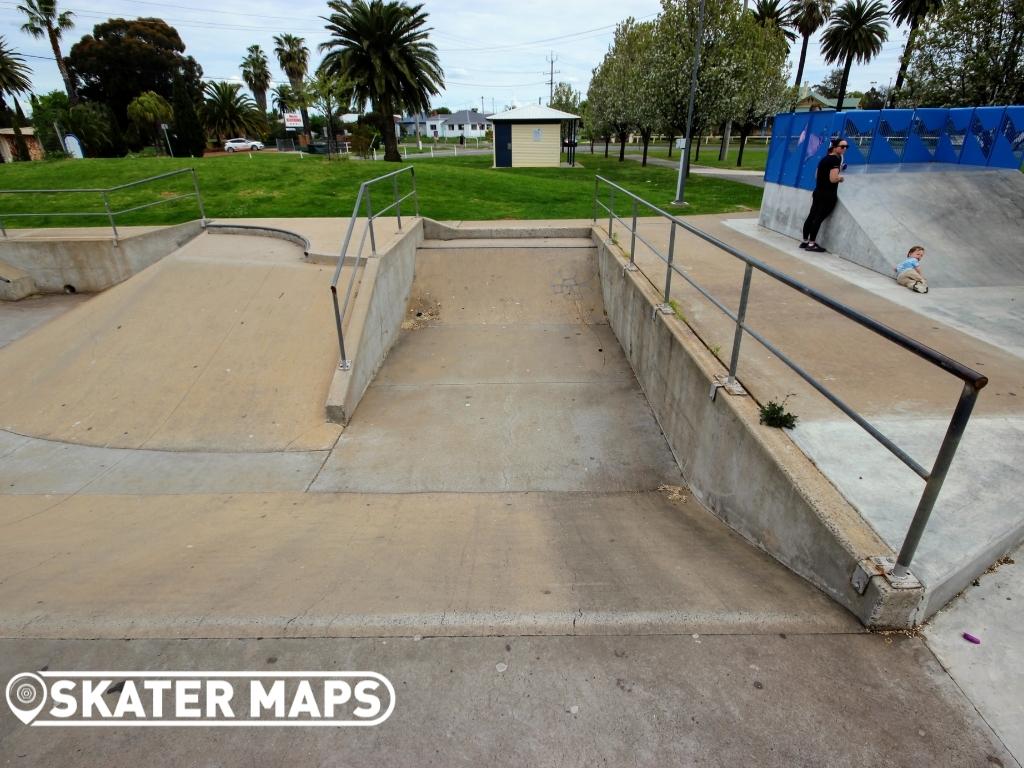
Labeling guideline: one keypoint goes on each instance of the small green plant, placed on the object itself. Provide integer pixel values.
(716, 350)
(615, 238)
(677, 309)
(775, 415)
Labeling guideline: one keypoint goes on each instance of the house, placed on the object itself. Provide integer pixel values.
(531, 137)
(809, 99)
(430, 126)
(8, 149)
(470, 123)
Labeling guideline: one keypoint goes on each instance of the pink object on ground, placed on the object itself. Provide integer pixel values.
(971, 638)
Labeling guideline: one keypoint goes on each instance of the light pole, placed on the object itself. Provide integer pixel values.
(684, 156)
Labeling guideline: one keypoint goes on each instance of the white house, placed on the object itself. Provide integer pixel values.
(469, 123)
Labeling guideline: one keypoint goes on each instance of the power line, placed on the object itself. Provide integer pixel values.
(551, 76)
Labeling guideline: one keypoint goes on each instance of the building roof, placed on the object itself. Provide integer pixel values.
(465, 116)
(532, 114)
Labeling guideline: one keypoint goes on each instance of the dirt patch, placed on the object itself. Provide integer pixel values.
(423, 310)
(673, 493)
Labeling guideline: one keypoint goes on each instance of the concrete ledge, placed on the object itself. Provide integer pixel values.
(260, 231)
(92, 265)
(374, 321)
(435, 230)
(15, 284)
(752, 477)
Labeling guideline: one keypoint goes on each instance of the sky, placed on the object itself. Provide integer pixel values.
(494, 54)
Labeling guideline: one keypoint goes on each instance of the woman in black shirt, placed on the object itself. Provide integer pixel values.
(825, 195)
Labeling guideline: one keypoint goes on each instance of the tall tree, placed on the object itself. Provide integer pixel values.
(774, 13)
(293, 56)
(256, 74)
(43, 19)
(970, 53)
(856, 32)
(635, 56)
(148, 111)
(14, 79)
(807, 17)
(383, 48)
(123, 58)
(283, 98)
(189, 139)
(567, 99)
(328, 96)
(596, 118)
(228, 112)
(911, 12)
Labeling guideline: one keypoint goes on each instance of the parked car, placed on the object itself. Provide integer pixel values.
(245, 145)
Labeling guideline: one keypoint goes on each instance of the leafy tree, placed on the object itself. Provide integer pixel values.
(857, 30)
(228, 112)
(830, 85)
(124, 58)
(14, 79)
(293, 56)
(383, 48)
(147, 112)
(911, 12)
(807, 17)
(567, 99)
(442, 111)
(91, 123)
(329, 96)
(608, 92)
(48, 109)
(969, 53)
(774, 13)
(875, 98)
(43, 19)
(284, 99)
(596, 116)
(189, 139)
(256, 74)
(634, 46)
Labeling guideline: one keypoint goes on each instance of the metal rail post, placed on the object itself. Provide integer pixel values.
(611, 210)
(632, 240)
(398, 201)
(668, 271)
(936, 477)
(3, 228)
(369, 221)
(415, 194)
(110, 215)
(344, 364)
(595, 198)
(741, 315)
(199, 197)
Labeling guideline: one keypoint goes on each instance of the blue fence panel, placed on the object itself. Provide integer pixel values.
(777, 148)
(891, 136)
(925, 130)
(795, 147)
(951, 142)
(858, 128)
(819, 135)
(1009, 149)
(981, 138)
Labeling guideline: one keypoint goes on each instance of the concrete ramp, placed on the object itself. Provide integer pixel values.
(219, 346)
(970, 222)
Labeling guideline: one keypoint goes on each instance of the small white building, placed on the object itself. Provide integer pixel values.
(469, 123)
(531, 137)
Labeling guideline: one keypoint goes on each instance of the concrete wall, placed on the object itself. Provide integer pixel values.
(752, 477)
(527, 153)
(92, 265)
(374, 320)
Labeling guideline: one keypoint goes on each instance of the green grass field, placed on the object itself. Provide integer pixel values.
(271, 185)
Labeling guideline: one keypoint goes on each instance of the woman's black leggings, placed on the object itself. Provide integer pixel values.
(821, 207)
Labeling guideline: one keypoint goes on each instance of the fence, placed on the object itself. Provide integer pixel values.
(991, 137)
(364, 199)
(973, 382)
(108, 212)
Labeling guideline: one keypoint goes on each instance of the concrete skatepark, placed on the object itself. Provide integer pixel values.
(515, 517)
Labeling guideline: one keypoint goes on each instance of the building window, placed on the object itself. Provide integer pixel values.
(462, 126)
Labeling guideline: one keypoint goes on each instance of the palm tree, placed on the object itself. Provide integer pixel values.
(807, 17)
(227, 112)
(43, 19)
(14, 79)
(293, 56)
(856, 31)
(283, 98)
(147, 111)
(382, 48)
(774, 13)
(912, 12)
(256, 73)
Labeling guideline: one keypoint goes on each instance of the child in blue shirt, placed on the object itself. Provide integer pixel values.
(908, 271)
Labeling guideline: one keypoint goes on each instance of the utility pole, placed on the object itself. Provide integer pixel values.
(551, 75)
(684, 156)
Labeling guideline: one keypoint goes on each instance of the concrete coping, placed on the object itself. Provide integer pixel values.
(260, 230)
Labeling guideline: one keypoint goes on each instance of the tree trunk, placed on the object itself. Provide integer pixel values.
(671, 141)
(261, 101)
(69, 81)
(607, 141)
(842, 84)
(743, 143)
(723, 152)
(623, 136)
(391, 153)
(700, 140)
(20, 145)
(908, 49)
(645, 136)
(800, 70)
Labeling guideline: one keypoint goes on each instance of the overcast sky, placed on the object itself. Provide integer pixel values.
(490, 51)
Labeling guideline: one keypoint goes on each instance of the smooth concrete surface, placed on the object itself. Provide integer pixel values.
(15, 283)
(971, 223)
(87, 259)
(347, 565)
(221, 346)
(324, 235)
(975, 520)
(773, 701)
(992, 673)
(376, 315)
(20, 318)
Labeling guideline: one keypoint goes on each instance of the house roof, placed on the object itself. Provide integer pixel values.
(533, 114)
(466, 116)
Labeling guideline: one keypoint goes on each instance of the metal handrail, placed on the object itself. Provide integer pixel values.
(364, 193)
(973, 381)
(104, 192)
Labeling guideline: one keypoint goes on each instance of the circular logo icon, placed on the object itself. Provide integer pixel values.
(26, 696)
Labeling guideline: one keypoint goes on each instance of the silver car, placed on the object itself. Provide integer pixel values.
(245, 145)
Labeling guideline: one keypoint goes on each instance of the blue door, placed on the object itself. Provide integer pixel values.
(503, 145)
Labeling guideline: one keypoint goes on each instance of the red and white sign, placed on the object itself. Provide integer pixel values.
(293, 121)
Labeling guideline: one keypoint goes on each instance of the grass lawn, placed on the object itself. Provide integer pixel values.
(754, 156)
(268, 185)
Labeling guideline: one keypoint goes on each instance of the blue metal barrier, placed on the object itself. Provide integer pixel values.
(991, 137)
